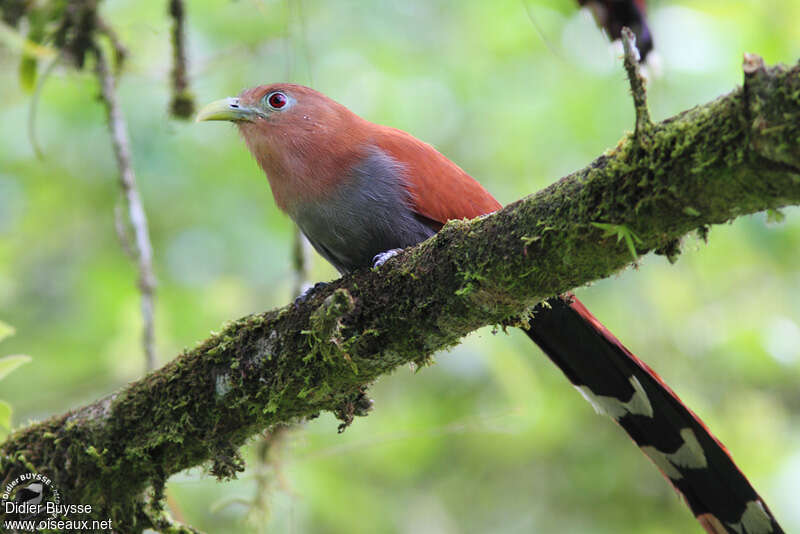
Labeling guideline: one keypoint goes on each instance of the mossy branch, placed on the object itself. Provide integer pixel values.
(736, 155)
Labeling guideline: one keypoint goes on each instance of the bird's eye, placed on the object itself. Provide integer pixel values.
(277, 100)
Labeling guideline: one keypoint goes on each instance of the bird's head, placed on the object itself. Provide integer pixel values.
(273, 104)
(280, 110)
(298, 135)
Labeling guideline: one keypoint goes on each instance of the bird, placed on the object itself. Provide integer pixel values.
(360, 191)
(613, 15)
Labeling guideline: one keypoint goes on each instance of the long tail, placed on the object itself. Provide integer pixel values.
(620, 385)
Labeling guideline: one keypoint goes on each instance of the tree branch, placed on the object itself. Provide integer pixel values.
(631, 60)
(182, 104)
(736, 155)
(143, 249)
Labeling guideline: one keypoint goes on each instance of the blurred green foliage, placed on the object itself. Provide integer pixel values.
(7, 365)
(492, 439)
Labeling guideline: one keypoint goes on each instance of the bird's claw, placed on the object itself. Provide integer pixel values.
(383, 257)
(305, 295)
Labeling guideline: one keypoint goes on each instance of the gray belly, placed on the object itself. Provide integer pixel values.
(368, 214)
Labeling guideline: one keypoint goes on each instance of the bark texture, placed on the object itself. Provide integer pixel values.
(736, 155)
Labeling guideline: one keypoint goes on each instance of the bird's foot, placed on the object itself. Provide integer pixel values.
(383, 257)
(305, 295)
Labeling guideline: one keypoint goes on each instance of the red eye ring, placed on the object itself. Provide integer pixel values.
(277, 100)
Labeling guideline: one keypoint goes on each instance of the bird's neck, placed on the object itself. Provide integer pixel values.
(309, 165)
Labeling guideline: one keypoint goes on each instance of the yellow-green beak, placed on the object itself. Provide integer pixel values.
(227, 109)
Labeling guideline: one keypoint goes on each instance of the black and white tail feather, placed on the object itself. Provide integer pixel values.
(623, 387)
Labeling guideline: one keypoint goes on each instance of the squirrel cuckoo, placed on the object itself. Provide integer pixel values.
(358, 189)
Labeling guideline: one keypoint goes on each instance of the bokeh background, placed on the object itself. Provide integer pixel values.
(492, 438)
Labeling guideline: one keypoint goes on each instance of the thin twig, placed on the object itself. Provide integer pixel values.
(182, 104)
(636, 80)
(300, 245)
(300, 255)
(123, 236)
(120, 51)
(301, 18)
(138, 219)
(268, 472)
(37, 94)
(539, 30)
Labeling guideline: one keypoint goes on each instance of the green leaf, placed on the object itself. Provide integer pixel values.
(622, 232)
(688, 210)
(9, 363)
(27, 73)
(608, 228)
(6, 330)
(5, 415)
(37, 21)
(775, 216)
